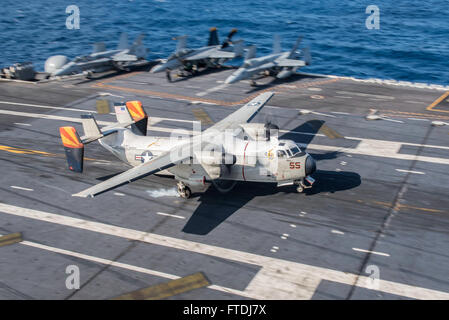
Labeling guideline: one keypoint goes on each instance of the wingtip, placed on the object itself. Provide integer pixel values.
(80, 195)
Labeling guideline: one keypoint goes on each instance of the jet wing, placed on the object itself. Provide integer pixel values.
(162, 162)
(211, 54)
(220, 54)
(242, 115)
(124, 57)
(290, 63)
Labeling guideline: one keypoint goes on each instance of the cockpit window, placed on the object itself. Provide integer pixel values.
(294, 151)
(281, 154)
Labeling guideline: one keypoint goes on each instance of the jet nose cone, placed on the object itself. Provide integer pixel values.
(230, 80)
(157, 68)
(310, 165)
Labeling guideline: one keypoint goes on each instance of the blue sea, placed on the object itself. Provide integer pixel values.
(411, 44)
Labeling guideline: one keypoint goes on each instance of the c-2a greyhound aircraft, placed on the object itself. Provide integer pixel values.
(231, 150)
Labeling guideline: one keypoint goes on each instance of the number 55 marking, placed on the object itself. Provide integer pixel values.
(295, 165)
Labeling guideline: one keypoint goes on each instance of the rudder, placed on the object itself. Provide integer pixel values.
(74, 148)
(139, 116)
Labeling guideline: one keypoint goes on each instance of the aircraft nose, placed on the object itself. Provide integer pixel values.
(310, 165)
(231, 79)
(157, 68)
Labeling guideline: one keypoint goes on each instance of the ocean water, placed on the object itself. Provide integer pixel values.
(411, 44)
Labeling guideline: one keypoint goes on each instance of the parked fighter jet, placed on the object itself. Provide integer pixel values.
(100, 59)
(280, 64)
(231, 150)
(212, 55)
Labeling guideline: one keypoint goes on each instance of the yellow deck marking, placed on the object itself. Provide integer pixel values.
(202, 116)
(168, 289)
(103, 106)
(437, 101)
(41, 153)
(104, 84)
(27, 151)
(413, 113)
(10, 239)
(400, 206)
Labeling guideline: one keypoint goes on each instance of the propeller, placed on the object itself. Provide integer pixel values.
(271, 123)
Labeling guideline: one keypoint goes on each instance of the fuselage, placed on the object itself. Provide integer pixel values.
(178, 59)
(255, 66)
(255, 160)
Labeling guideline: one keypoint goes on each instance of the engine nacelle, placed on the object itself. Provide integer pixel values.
(214, 158)
(194, 180)
(259, 131)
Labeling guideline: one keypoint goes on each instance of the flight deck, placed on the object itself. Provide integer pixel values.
(375, 225)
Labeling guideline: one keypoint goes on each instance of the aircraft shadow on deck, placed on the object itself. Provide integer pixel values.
(200, 73)
(215, 207)
(275, 81)
(114, 73)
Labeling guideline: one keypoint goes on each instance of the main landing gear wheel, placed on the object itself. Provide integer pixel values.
(184, 191)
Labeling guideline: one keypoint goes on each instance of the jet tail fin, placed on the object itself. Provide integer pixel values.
(182, 43)
(295, 47)
(238, 48)
(276, 44)
(251, 52)
(213, 37)
(99, 47)
(123, 41)
(228, 40)
(307, 56)
(138, 48)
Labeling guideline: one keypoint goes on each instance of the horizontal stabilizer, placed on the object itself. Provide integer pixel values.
(91, 130)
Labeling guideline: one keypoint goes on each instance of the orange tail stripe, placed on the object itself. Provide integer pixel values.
(135, 109)
(70, 138)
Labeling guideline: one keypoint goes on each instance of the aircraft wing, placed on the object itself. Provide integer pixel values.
(162, 162)
(290, 63)
(221, 54)
(124, 57)
(244, 114)
(211, 54)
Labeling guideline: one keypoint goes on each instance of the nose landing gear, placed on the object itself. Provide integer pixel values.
(183, 190)
(306, 183)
